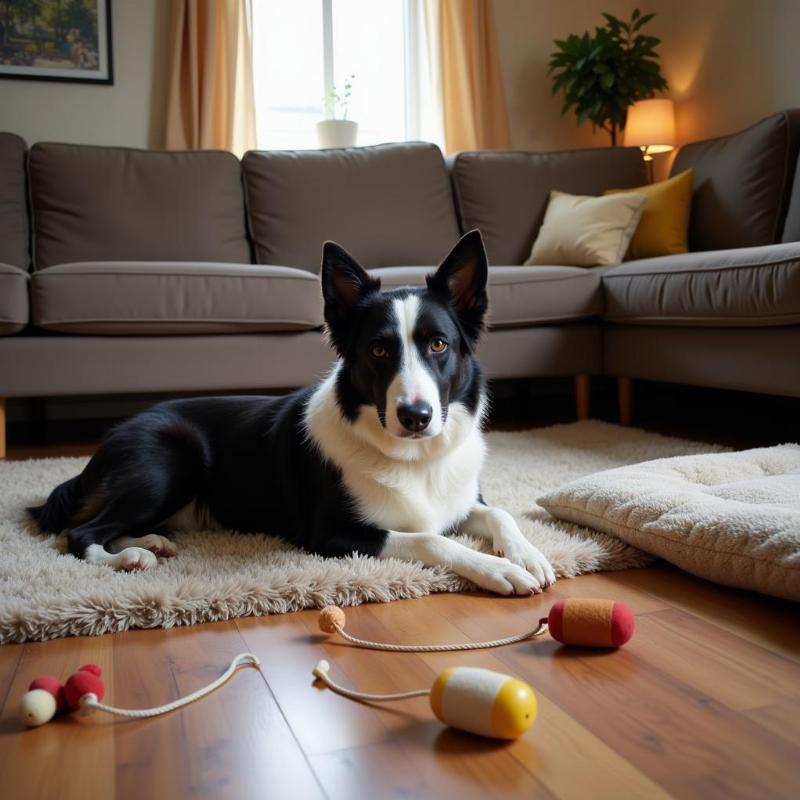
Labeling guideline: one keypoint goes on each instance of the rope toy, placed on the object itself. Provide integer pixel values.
(471, 699)
(576, 621)
(84, 690)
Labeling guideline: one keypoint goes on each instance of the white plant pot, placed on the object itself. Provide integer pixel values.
(337, 133)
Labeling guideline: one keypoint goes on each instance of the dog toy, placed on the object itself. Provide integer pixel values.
(84, 690)
(471, 699)
(576, 621)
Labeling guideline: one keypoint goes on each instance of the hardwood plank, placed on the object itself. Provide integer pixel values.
(595, 770)
(735, 672)
(783, 719)
(289, 646)
(10, 656)
(683, 740)
(767, 621)
(232, 743)
(69, 757)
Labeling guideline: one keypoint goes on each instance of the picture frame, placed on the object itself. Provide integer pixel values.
(54, 40)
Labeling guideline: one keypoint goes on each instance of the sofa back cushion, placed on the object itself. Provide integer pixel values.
(388, 205)
(505, 194)
(742, 183)
(13, 211)
(119, 204)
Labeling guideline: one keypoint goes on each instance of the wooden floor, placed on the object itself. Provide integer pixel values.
(704, 702)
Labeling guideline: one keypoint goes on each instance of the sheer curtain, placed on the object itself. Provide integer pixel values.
(211, 77)
(463, 66)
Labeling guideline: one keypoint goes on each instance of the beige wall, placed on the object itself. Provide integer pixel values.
(728, 62)
(131, 112)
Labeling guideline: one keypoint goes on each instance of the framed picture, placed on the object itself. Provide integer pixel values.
(56, 40)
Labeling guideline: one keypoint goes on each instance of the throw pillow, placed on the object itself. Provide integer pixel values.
(582, 231)
(664, 227)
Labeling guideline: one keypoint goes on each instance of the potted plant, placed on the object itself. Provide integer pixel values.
(602, 75)
(336, 130)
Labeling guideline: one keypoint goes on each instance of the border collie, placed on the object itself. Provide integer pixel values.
(382, 458)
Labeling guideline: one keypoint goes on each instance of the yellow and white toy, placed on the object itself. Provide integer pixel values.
(471, 699)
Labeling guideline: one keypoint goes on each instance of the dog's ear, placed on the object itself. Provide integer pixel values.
(461, 281)
(345, 283)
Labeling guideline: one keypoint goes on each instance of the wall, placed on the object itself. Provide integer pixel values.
(131, 112)
(728, 62)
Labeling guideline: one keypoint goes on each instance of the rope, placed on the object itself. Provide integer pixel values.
(90, 703)
(321, 672)
(437, 648)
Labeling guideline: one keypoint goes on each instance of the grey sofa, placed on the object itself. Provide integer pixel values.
(135, 271)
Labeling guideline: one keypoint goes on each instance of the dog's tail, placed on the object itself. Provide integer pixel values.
(60, 508)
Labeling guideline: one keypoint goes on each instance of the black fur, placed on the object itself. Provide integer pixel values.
(248, 460)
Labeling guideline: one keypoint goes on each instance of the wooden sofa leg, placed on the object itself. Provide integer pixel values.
(625, 400)
(2, 427)
(583, 390)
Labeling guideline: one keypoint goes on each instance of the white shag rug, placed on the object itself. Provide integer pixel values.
(46, 593)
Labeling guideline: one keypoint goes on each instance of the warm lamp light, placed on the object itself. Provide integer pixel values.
(651, 127)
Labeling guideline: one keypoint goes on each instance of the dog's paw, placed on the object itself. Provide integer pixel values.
(134, 558)
(521, 552)
(501, 576)
(156, 544)
(159, 545)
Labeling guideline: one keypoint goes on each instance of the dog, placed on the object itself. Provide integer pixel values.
(381, 458)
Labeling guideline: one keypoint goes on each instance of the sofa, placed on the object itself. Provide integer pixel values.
(130, 271)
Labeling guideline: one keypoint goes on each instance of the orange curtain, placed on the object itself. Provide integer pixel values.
(211, 77)
(475, 115)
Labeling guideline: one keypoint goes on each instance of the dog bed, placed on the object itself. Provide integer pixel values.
(733, 518)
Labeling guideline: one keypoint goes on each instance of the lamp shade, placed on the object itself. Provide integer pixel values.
(651, 124)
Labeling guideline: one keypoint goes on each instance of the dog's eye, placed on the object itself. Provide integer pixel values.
(378, 351)
(438, 345)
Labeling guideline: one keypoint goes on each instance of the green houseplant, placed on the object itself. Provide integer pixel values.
(600, 76)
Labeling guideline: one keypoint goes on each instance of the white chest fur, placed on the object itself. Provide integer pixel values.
(422, 485)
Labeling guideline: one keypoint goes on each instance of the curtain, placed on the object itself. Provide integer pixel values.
(474, 105)
(211, 77)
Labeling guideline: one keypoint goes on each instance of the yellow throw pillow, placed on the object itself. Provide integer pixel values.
(584, 231)
(664, 227)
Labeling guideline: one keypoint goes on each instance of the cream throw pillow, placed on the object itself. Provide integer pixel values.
(581, 231)
(733, 518)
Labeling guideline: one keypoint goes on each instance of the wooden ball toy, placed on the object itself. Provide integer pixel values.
(85, 681)
(484, 702)
(36, 707)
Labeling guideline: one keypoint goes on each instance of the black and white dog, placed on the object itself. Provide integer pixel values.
(381, 458)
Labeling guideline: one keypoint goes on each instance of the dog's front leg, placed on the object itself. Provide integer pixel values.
(499, 527)
(489, 572)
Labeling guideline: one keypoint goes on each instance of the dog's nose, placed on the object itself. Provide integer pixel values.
(415, 417)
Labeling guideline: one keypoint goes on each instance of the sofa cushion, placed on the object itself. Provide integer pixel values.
(122, 298)
(119, 204)
(387, 205)
(522, 296)
(748, 286)
(13, 299)
(585, 231)
(13, 205)
(742, 183)
(505, 194)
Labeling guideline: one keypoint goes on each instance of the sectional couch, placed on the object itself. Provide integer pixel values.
(128, 271)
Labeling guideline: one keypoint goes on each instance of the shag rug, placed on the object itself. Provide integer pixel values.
(46, 593)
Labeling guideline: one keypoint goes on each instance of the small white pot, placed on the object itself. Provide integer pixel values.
(337, 133)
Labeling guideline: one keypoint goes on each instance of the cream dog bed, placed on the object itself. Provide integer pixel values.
(733, 518)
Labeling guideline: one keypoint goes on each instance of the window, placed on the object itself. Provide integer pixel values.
(301, 49)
